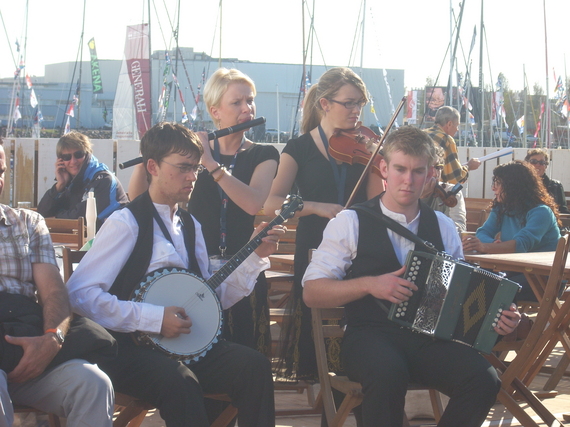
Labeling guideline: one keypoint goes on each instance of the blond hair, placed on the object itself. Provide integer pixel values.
(218, 84)
(74, 141)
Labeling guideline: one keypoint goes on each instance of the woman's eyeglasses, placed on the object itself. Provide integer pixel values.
(349, 105)
(538, 162)
(67, 157)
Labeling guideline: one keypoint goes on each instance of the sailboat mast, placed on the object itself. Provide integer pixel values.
(481, 89)
(523, 136)
(150, 66)
(547, 118)
(78, 87)
(362, 43)
(220, 56)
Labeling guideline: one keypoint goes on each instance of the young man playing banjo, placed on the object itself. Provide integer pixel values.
(149, 234)
(379, 353)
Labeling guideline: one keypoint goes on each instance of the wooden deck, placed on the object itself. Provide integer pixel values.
(558, 405)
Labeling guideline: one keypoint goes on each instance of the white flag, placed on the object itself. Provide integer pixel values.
(33, 99)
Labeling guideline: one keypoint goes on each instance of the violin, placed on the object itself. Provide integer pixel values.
(355, 146)
(448, 198)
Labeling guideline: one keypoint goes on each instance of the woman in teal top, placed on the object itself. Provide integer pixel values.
(524, 217)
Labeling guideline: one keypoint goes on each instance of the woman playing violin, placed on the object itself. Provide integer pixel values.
(325, 185)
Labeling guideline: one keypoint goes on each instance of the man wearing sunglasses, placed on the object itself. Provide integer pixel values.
(77, 171)
(538, 158)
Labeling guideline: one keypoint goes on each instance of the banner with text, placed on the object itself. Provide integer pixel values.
(95, 70)
(138, 65)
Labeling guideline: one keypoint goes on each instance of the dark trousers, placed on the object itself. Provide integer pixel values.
(242, 373)
(385, 359)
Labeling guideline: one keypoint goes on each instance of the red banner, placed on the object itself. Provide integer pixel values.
(138, 63)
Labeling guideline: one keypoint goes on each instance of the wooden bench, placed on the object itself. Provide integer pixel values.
(477, 210)
(67, 232)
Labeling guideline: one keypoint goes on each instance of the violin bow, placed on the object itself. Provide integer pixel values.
(361, 179)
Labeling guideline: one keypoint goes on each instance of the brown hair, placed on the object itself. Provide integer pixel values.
(534, 152)
(413, 142)
(327, 87)
(166, 138)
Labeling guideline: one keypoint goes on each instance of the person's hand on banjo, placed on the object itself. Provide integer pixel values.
(271, 241)
(175, 322)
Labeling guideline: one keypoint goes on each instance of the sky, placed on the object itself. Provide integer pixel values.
(413, 35)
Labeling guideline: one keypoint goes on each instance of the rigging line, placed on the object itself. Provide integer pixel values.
(435, 84)
(314, 35)
(215, 32)
(531, 105)
(74, 70)
(159, 24)
(356, 32)
(8, 40)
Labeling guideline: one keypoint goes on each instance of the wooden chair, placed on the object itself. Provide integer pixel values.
(532, 351)
(53, 419)
(129, 410)
(68, 232)
(326, 324)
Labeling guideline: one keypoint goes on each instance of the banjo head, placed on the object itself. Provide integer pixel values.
(182, 288)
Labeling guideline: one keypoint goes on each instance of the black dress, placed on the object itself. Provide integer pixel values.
(246, 322)
(315, 182)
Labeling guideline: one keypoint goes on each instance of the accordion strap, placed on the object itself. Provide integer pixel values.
(396, 227)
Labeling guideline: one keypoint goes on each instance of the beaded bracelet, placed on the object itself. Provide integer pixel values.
(223, 169)
(215, 170)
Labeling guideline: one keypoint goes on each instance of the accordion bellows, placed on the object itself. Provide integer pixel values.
(455, 300)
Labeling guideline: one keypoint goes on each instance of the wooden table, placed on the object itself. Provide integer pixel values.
(536, 267)
(282, 262)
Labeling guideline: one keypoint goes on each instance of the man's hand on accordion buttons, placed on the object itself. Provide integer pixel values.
(391, 287)
(509, 320)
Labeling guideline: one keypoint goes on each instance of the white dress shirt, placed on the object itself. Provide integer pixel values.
(89, 285)
(340, 242)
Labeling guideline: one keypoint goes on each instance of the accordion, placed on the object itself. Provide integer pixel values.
(455, 300)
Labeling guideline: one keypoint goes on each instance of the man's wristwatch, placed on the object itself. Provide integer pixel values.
(58, 335)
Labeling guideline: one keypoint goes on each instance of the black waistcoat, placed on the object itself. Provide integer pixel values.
(376, 256)
(134, 270)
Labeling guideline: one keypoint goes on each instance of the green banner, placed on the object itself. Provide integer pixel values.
(95, 70)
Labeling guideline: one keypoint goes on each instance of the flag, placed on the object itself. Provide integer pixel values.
(70, 109)
(28, 81)
(194, 112)
(412, 107)
(17, 114)
(33, 99)
(520, 124)
(95, 69)
(38, 117)
(473, 39)
(67, 126)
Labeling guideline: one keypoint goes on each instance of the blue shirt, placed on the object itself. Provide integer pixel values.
(540, 234)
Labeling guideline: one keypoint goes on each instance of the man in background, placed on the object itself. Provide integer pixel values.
(445, 127)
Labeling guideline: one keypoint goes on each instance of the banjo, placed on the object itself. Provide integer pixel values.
(177, 286)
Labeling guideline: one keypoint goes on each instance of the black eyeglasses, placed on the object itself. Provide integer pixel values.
(538, 162)
(349, 105)
(67, 157)
(187, 168)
